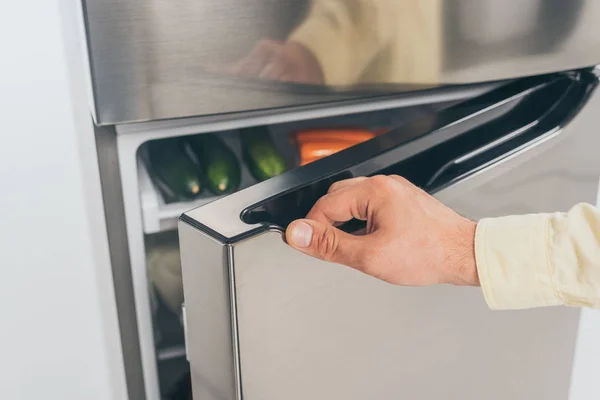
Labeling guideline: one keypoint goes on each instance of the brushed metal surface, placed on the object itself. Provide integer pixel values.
(112, 196)
(310, 329)
(210, 347)
(159, 59)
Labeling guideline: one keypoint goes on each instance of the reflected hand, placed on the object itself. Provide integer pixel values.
(281, 61)
(411, 238)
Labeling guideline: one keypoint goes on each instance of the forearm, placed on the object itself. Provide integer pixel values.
(541, 259)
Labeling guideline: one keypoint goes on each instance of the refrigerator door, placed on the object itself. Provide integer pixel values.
(267, 322)
(161, 59)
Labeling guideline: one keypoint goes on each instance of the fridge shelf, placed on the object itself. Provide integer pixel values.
(157, 215)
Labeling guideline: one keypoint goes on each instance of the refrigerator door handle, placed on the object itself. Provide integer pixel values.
(485, 149)
(432, 152)
(519, 138)
(535, 117)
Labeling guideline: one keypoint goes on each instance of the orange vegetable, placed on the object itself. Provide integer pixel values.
(318, 143)
(321, 149)
(336, 135)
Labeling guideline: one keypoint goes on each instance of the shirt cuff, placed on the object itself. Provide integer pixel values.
(513, 262)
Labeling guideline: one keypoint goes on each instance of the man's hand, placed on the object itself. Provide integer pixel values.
(411, 238)
(281, 61)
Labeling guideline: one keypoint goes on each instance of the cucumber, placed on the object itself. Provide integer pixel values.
(221, 167)
(260, 154)
(177, 178)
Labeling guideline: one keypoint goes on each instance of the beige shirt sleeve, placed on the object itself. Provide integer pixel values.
(541, 259)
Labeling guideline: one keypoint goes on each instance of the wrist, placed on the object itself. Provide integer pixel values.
(463, 264)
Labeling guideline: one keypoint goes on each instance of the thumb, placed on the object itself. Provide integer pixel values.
(325, 242)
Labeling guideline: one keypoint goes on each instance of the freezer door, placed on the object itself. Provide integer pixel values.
(267, 322)
(162, 59)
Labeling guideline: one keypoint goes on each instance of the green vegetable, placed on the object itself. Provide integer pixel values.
(177, 178)
(261, 155)
(220, 164)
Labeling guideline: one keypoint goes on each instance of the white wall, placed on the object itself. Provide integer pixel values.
(585, 382)
(58, 336)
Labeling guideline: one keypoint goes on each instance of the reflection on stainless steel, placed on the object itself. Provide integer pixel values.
(156, 59)
(344, 43)
(306, 329)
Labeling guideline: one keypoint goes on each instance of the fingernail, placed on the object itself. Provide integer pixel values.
(301, 234)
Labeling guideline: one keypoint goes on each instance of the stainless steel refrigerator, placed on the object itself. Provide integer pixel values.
(489, 105)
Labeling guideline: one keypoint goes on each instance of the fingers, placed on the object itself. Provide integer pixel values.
(353, 181)
(326, 242)
(343, 204)
(409, 187)
(346, 183)
(400, 179)
(380, 200)
(356, 198)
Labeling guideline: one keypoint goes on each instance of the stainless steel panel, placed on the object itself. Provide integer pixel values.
(215, 376)
(112, 197)
(312, 330)
(157, 59)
